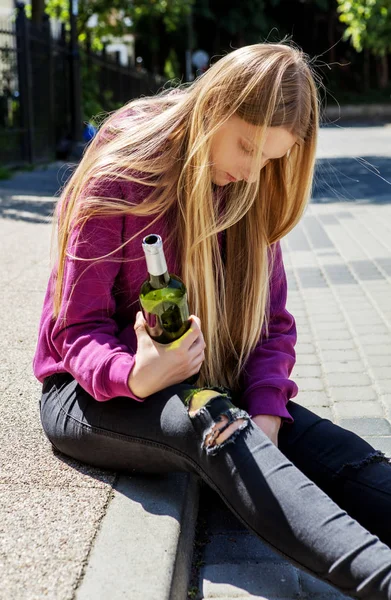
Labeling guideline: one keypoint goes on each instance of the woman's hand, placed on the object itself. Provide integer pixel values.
(158, 366)
(270, 424)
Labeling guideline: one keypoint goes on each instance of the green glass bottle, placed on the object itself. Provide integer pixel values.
(163, 298)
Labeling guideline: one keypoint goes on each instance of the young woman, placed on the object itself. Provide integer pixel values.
(222, 169)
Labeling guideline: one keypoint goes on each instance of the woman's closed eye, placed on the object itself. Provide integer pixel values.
(246, 150)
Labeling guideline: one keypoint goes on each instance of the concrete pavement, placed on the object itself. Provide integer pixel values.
(60, 520)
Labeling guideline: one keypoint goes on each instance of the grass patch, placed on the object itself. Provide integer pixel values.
(5, 173)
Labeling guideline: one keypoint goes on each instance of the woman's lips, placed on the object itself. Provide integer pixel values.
(231, 178)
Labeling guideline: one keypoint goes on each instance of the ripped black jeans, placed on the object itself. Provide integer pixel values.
(321, 500)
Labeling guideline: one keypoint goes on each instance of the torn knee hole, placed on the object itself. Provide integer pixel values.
(373, 457)
(199, 399)
(214, 437)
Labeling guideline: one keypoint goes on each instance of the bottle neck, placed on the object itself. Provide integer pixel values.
(159, 281)
(157, 268)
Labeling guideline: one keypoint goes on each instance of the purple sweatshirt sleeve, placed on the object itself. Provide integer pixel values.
(265, 381)
(87, 342)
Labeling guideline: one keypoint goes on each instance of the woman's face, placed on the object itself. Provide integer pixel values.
(233, 150)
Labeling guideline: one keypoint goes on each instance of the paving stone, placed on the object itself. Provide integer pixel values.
(381, 443)
(307, 384)
(336, 345)
(364, 318)
(307, 359)
(333, 334)
(304, 348)
(238, 547)
(376, 427)
(384, 386)
(340, 355)
(347, 394)
(306, 371)
(348, 379)
(260, 579)
(362, 409)
(313, 587)
(386, 402)
(375, 339)
(379, 361)
(344, 366)
(331, 325)
(382, 372)
(325, 318)
(364, 329)
(252, 597)
(378, 350)
(322, 309)
(313, 398)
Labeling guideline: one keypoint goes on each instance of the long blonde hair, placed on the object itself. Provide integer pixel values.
(164, 142)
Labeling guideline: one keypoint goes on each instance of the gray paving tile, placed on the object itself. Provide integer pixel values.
(314, 587)
(348, 379)
(366, 270)
(316, 233)
(280, 580)
(313, 398)
(381, 443)
(238, 547)
(311, 277)
(367, 426)
(339, 274)
(363, 409)
(353, 393)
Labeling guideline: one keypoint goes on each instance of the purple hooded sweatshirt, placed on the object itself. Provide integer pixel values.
(97, 345)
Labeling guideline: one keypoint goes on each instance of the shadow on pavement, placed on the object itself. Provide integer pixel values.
(31, 196)
(350, 179)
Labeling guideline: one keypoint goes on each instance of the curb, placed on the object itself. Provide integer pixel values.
(143, 549)
(358, 111)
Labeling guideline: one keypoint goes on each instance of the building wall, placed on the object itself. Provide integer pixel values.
(6, 8)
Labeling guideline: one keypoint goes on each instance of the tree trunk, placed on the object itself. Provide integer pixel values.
(37, 10)
(382, 71)
(331, 34)
(366, 71)
(217, 40)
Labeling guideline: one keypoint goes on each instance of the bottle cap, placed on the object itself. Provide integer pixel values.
(154, 254)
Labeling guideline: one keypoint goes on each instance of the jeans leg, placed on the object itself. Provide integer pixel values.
(353, 473)
(272, 498)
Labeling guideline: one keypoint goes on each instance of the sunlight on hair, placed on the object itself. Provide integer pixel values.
(164, 142)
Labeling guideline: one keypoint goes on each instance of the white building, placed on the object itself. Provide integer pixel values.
(123, 45)
(6, 8)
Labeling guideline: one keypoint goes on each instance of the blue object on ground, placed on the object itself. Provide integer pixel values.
(89, 132)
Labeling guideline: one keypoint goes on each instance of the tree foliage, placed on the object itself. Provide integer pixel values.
(115, 18)
(368, 24)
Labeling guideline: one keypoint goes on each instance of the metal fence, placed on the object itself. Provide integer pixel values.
(36, 88)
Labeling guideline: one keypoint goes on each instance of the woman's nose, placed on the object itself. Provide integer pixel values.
(252, 176)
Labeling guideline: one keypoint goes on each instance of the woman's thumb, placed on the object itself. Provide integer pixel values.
(139, 324)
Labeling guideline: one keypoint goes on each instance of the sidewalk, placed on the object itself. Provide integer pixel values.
(70, 531)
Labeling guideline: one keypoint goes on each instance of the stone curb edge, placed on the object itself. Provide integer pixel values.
(144, 547)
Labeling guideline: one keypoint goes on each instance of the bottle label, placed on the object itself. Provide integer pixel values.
(168, 321)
